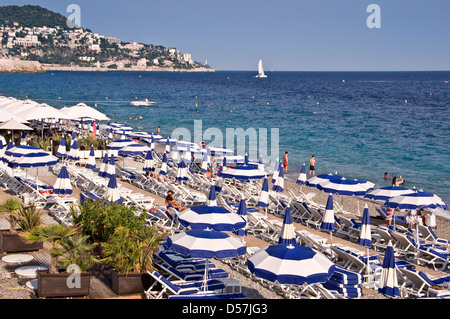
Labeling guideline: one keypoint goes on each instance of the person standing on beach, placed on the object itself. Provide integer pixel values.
(312, 165)
(285, 161)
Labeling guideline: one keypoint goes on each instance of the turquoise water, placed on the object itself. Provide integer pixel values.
(359, 124)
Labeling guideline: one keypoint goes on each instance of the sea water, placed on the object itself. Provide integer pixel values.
(359, 124)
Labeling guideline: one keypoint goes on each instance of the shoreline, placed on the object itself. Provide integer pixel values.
(49, 67)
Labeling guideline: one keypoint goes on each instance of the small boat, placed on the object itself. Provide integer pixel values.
(260, 70)
(146, 102)
(446, 81)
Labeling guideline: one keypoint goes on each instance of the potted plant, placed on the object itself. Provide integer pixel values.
(24, 218)
(130, 254)
(69, 250)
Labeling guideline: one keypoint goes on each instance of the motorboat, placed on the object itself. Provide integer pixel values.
(145, 102)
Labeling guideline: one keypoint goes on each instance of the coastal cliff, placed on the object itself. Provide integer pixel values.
(20, 66)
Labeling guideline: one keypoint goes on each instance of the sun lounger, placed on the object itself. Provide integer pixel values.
(179, 288)
(189, 275)
(395, 218)
(181, 262)
(418, 284)
(428, 234)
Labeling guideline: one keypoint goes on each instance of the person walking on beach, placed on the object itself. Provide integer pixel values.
(285, 161)
(312, 165)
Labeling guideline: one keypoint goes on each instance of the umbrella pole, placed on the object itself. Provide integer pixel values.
(205, 278)
(369, 279)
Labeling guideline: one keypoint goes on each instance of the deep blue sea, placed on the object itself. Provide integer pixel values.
(359, 124)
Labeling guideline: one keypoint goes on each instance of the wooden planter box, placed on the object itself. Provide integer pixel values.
(131, 283)
(55, 285)
(11, 243)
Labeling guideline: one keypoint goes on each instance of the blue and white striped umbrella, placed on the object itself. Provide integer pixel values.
(205, 162)
(103, 166)
(319, 179)
(211, 216)
(263, 200)
(2, 149)
(119, 144)
(181, 171)
(290, 264)
(12, 153)
(287, 234)
(347, 187)
(112, 193)
(301, 180)
(328, 218)
(62, 184)
(61, 152)
(384, 193)
(243, 172)
(167, 146)
(90, 163)
(388, 282)
(73, 152)
(36, 159)
(416, 200)
(276, 171)
(365, 235)
(212, 201)
(149, 163)
(163, 169)
(133, 149)
(206, 243)
(242, 211)
(279, 182)
(111, 167)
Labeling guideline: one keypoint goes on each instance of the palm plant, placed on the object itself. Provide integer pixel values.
(28, 217)
(77, 251)
(11, 206)
(132, 250)
(54, 235)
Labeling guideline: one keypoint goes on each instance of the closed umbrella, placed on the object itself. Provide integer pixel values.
(365, 237)
(287, 234)
(242, 211)
(112, 193)
(279, 182)
(301, 180)
(205, 162)
(149, 163)
(61, 152)
(388, 282)
(62, 184)
(163, 168)
(111, 167)
(73, 152)
(328, 218)
(91, 160)
(181, 172)
(263, 200)
(276, 171)
(103, 166)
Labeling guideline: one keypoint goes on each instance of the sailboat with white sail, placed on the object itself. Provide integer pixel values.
(260, 70)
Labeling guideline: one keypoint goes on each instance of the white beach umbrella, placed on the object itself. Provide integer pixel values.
(82, 110)
(6, 115)
(42, 111)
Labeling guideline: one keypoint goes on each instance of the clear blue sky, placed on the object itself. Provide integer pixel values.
(322, 35)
